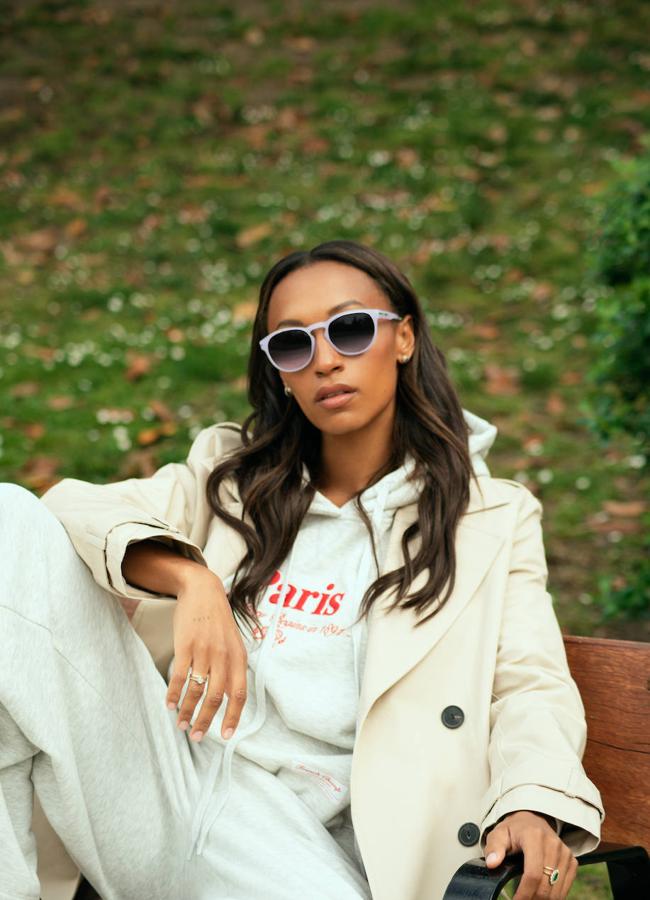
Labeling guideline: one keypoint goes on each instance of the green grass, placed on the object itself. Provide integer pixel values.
(469, 143)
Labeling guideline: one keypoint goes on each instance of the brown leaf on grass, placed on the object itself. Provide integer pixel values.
(150, 435)
(406, 157)
(315, 144)
(501, 380)
(62, 401)
(239, 384)
(571, 377)
(39, 472)
(66, 197)
(138, 366)
(485, 330)
(102, 197)
(555, 405)
(138, 464)
(625, 508)
(244, 311)
(34, 430)
(256, 135)
(303, 43)
(25, 389)
(161, 410)
(75, 228)
(625, 526)
(251, 235)
(44, 240)
(175, 335)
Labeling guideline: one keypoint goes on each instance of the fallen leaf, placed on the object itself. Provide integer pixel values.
(25, 389)
(44, 240)
(62, 401)
(500, 380)
(161, 410)
(244, 311)
(34, 430)
(138, 366)
(555, 405)
(485, 330)
(625, 508)
(39, 472)
(248, 236)
(76, 228)
(66, 197)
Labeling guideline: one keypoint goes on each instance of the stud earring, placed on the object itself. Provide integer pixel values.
(288, 391)
(404, 359)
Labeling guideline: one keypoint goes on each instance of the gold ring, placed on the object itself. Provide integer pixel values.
(553, 874)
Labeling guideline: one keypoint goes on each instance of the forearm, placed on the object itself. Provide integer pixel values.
(155, 567)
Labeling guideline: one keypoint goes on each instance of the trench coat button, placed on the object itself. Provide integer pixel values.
(468, 834)
(452, 716)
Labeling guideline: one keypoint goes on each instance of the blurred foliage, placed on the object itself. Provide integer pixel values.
(620, 373)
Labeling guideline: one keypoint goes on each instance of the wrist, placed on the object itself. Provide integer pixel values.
(192, 574)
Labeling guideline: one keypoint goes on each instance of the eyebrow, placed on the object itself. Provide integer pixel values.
(331, 312)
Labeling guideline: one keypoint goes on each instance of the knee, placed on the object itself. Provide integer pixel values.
(20, 508)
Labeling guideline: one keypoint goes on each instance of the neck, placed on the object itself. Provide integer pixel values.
(349, 461)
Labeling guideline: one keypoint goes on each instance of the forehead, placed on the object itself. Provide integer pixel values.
(309, 294)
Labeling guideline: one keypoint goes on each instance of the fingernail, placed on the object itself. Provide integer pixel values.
(228, 733)
(491, 857)
(196, 736)
(183, 725)
(171, 705)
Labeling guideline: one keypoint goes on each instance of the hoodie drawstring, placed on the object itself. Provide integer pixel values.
(201, 822)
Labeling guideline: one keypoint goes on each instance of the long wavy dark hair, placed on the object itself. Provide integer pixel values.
(278, 439)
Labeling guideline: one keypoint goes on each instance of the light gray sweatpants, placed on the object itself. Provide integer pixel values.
(83, 721)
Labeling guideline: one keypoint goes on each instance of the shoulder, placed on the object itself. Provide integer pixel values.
(215, 442)
(500, 492)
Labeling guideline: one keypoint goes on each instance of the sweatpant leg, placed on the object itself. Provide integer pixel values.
(83, 721)
(266, 844)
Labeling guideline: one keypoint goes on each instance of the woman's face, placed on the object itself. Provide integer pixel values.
(369, 380)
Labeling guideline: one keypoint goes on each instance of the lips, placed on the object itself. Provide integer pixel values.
(333, 390)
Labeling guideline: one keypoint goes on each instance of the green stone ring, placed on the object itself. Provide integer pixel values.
(553, 874)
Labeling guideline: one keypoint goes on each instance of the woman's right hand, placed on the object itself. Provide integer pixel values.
(207, 638)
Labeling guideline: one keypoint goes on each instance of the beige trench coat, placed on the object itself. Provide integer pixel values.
(423, 794)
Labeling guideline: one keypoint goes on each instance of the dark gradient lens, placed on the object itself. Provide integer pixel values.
(352, 333)
(290, 350)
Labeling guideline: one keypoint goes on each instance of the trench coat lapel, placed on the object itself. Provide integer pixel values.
(394, 644)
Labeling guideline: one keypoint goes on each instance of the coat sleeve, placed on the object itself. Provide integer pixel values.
(538, 730)
(170, 506)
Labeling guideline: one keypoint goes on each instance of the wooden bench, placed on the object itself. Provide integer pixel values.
(613, 678)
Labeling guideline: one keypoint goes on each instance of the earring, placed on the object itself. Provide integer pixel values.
(404, 359)
(288, 391)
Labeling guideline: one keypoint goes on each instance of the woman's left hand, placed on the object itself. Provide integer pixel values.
(530, 833)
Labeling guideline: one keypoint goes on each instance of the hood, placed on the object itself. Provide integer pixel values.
(380, 501)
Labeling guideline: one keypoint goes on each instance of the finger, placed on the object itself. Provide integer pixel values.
(567, 866)
(497, 845)
(237, 694)
(532, 881)
(213, 698)
(194, 691)
(182, 663)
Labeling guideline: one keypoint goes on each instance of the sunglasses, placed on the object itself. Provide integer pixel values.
(349, 333)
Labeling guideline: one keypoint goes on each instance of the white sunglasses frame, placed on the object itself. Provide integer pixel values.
(375, 315)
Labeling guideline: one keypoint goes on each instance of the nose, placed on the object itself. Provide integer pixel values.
(326, 359)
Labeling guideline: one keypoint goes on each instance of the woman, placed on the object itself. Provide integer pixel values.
(361, 635)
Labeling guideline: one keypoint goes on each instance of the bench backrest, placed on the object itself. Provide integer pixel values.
(613, 678)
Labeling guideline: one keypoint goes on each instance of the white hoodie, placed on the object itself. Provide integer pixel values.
(304, 670)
